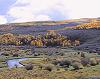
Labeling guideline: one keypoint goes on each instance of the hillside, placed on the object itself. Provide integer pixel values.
(82, 29)
(40, 26)
(67, 49)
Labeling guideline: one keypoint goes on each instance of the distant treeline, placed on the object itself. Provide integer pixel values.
(91, 25)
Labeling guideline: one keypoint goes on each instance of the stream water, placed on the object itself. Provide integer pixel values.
(15, 62)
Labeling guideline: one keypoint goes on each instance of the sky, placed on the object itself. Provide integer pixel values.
(14, 11)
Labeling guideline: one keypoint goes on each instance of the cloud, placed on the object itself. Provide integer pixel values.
(82, 8)
(39, 10)
(29, 19)
(22, 14)
(3, 20)
(42, 18)
(32, 10)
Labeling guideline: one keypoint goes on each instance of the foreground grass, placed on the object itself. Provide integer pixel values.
(36, 73)
(41, 73)
(43, 60)
(63, 73)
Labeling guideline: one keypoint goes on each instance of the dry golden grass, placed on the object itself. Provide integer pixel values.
(36, 73)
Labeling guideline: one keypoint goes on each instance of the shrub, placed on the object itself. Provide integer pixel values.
(56, 62)
(29, 66)
(62, 54)
(15, 55)
(98, 61)
(48, 67)
(36, 54)
(93, 62)
(65, 63)
(83, 55)
(85, 61)
(40, 66)
(78, 53)
(77, 66)
(5, 54)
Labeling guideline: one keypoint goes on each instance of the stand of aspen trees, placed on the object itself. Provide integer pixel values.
(50, 39)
